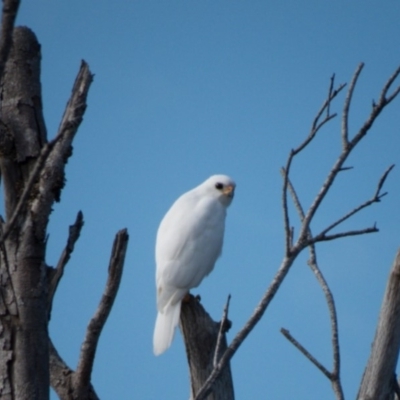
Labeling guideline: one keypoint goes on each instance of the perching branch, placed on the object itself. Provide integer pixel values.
(95, 327)
(201, 335)
(295, 247)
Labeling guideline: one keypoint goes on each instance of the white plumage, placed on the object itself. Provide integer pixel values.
(189, 241)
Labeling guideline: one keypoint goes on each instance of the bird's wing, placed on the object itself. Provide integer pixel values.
(189, 241)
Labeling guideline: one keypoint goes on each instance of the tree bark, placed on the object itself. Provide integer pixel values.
(379, 379)
(200, 335)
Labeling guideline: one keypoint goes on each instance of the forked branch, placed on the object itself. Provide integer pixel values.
(333, 376)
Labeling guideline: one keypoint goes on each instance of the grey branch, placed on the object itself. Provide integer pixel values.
(74, 233)
(346, 107)
(222, 330)
(376, 198)
(335, 374)
(306, 353)
(95, 327)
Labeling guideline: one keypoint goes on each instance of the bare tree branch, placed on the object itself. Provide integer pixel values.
(337, 167)
(335, 374)
(375, 199)
(74, 233)
(389, 83)
(95, 327)
(9, 13)
(346, 108)
(331, 86)
(305, 352)
(325, 238)
(381, 182)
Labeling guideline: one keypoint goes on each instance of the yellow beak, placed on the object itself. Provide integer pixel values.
(229, 191)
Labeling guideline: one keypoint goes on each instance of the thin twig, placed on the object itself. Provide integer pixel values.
(74, 233)
(97, 322)
(381, 182)
(346, 108)
(377, 196)
(222, 329)
(306, 353)
(10, 10)
(294, 196)
(326, 238)
(331, 86)
(335, 374)
(382, 103)
(386, 87)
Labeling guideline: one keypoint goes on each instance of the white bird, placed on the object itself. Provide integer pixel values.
(189, 241)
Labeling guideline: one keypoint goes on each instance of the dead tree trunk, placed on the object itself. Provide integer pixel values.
(201, 335)
(23, 302)
(379, 380)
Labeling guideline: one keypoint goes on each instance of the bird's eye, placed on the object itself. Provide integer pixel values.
(219, 185)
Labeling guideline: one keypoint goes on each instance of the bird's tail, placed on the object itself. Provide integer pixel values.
(166, 322)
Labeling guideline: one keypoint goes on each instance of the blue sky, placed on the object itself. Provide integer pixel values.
(187, 89)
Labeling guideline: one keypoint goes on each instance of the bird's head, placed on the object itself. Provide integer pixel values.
(222, 187)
